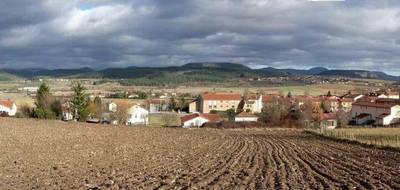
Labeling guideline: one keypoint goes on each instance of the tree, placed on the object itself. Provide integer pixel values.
(342, 118)
(325, 106)
(182, 103)
(231, 113)
(289, 95)
(241, 105)
(329, 94)
(122, 113)
(44, 102)
(43, 97)
(275, 112)
(56, 108)
(172, 104)
(80, 102)
(95, 107)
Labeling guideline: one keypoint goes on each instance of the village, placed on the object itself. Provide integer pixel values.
(377, 108)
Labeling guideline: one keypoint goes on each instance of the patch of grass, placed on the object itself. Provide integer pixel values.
(164, 119)
(384, 137)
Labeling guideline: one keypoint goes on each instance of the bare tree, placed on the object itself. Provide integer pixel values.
(122, 114)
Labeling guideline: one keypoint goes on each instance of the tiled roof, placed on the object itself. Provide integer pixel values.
(189, 117)
(7, 103)
(221, 96)
(329, 116)
(209, 117)
(375, 104)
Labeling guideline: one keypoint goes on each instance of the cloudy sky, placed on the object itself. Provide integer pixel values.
(353, 34)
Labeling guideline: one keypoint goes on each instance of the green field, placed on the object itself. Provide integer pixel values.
(389, 137)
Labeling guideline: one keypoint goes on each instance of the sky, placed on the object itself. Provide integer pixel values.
(350, 34)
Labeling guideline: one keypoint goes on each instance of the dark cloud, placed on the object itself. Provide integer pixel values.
(117, 33)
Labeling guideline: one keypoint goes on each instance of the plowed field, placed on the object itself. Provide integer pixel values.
(57, 155)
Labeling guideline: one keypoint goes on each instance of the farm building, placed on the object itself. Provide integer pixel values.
(138, 116)
(246, 117)
(198, 120)
(8, 107)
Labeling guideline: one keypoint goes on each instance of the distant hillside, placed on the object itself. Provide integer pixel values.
(359, 74)
(4, 76)
(31, 73)
(192, 72)
(312, 71)
(197, 72)
(221, 65)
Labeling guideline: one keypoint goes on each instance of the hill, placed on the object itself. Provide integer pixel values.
(191, 72)
(5, 76)
(360, 74)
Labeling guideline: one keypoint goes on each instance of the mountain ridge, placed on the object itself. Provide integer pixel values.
(226, 69)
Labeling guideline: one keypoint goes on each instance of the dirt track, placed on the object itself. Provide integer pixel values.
(56, 155)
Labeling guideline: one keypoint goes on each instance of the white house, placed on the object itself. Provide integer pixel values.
(382, 113)
(246, 117)
(138, 116)
(198, 120)
(9, 107)
(112, 107)
(254, 103)
(390, 95)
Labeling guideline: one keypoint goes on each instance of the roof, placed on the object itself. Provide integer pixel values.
(375, 104)
(393, 93)
(328, 116)
(221, 96)
(363, 115)
(209, 117)
(246, 114)
(252, 97)
(383, 115)
(7, 103)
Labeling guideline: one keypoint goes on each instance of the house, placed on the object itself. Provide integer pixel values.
(254, 103)
(112, 107)
(246, 117)
(198, 120)
(218, 101)
(390, 95)
(138, 116)
(328, 121)
(346, 101)
(8, 107)
(380, 113)
(67, 114)
(158, 105)
(352, 97)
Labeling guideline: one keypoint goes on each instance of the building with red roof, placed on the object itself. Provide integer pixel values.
(379, 112)
(218, 101)
(198, 120)
(8, 107)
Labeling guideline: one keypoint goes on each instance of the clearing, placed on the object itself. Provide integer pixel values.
(57, 155)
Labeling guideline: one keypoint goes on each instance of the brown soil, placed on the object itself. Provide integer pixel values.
(57, 155)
